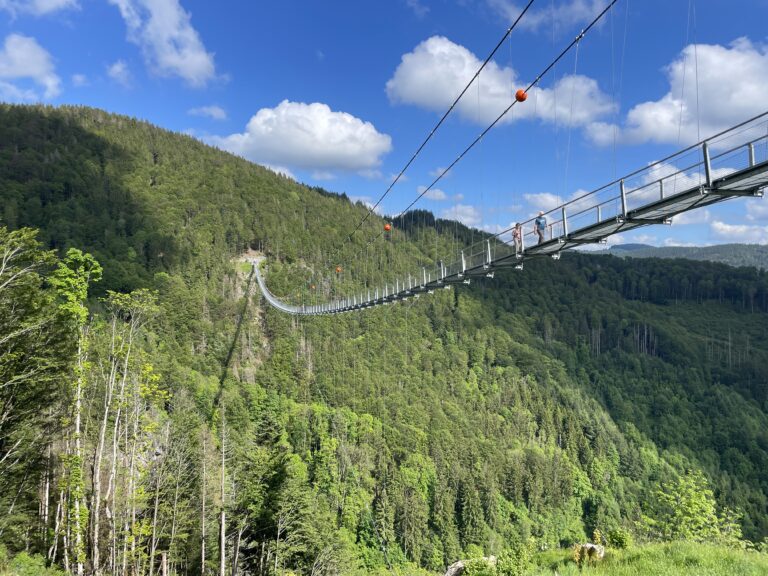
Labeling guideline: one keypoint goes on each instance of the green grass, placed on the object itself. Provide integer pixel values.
(671, 559)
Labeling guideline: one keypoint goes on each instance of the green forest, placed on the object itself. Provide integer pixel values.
(158, 417)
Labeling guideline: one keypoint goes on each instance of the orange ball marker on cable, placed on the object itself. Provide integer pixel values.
(338, 269)
(521, 95)
(387, 227)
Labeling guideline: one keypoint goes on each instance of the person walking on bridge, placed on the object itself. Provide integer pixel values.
(539, 226)
(517, 236)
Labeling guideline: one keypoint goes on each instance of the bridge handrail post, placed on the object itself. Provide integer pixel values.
(463, 263)
(661, 189)
(565, 224)
(707, 164)
(751, 154)
(623, 191)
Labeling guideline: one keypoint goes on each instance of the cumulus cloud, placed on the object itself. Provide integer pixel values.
(437, 70)
(169, 43)
(562, 15)
(744, 233)
(732, 84)
(215, 112)
(79, 80)
(433, 194)
(578, 200)
(419, 9)
(36, 7)
(543, 201)
(281, 170)
(438, 171)
(466, 214)
(309, 136)
(22, 58)
(675, 181)
(119, 72)
(757, 210)
(693, 217)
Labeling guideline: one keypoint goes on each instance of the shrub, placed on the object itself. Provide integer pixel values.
(619, 538)
(25, 565)
(478, 567)
(516, 560)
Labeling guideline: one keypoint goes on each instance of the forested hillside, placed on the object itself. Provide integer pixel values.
(156, 413)
(734, 254)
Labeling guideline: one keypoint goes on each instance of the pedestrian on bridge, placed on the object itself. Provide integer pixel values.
(539, 226)
(517, 236)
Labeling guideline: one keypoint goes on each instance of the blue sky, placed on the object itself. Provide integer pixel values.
(340, 94)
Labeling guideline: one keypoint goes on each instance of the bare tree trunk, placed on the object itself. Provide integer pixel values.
(153, 540)
(202, 513)
(45, 501)
(223, 525)
(98, 457)
(174, 510)
(236, 558)
(79, 545)
(53, 549)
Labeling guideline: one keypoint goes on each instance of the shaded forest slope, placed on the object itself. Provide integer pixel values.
(546, 403)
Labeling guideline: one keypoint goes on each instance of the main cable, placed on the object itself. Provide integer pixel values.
(432, 132)
(552, 64)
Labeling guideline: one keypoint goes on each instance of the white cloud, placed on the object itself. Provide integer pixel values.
(743, 233)
(433, 194)
(610, 241)
(171, 46)
(543, 201)
(757, 210)
(562, 15)
(309, 136)
(119, 72)
(371, 174)
(467, 215)
(281, 170)
(36, 7)
(367, 201)
(732, 84)
(644, 239)
(215, 112)
(79, 80)
(23, 58)
(678, 243)
(12, 93)
(437, 70)
(457, 197)
(692, 217)
(439, 171)
(419, 9)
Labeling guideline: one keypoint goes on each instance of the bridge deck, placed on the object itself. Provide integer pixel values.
(644, 205)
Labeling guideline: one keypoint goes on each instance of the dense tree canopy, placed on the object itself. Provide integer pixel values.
(523, 412)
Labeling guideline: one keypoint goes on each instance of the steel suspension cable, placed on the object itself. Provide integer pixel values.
(538, 78)
(432, 132)
(567, 49)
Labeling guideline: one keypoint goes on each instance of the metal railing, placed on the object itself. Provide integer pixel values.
(703, 164)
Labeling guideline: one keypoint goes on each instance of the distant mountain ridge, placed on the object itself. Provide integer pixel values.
(732, 254)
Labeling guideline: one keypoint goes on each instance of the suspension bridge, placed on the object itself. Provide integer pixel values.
(731, 164)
